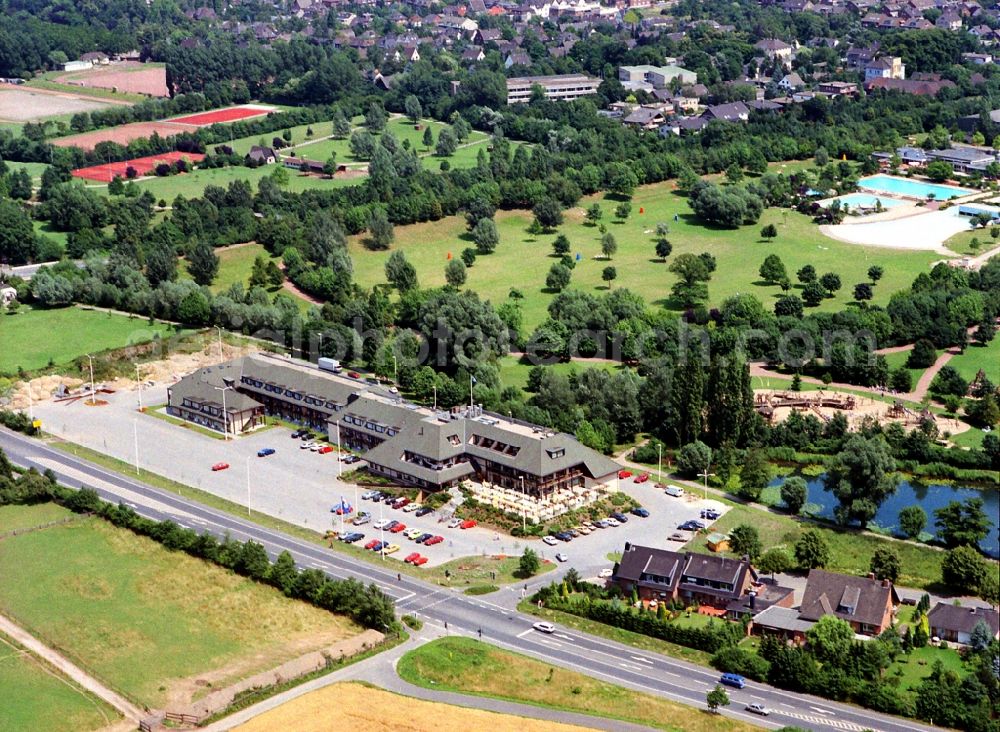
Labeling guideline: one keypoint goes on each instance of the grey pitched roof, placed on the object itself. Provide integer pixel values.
(205, 386)
(638, 560)
(857, 599)
(963, 619)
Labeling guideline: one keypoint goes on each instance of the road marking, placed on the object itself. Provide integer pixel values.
(821, 711)
(563, 636)
(529, 630)
(631, 666)
(548, 642)
(643, 660)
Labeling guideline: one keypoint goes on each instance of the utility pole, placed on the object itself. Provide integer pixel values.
(225, 414)
(220, 342)
(706, 475)
(92, 392)
(135, 439)
(659, 462)
(138, 385)
(248, 486)
(524, 507)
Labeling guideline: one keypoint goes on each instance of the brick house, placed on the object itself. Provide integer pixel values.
(866, 603)
(955, 624)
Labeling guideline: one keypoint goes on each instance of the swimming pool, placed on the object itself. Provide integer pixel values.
(864, 200)
(911, 188)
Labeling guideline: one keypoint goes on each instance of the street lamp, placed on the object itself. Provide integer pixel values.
(248, 486)
(706, 475)
(225, 414)
(138, 385)
(524, 507)
(92, 392)
(659, 462)
(220, 342)
(135, 438)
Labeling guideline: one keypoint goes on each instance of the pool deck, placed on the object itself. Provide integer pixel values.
(902, 228)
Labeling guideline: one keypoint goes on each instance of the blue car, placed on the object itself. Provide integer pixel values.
(734, 680)
(640, 512)
(265, 451)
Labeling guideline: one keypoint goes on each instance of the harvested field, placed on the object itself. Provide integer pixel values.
(129, 78)
(142, 166)
(230, 114)
(18, 104)
(364, 709)
(123, 134)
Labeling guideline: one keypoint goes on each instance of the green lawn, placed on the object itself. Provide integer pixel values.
(36, 336)
(850, 551)
(739, 253)
(915, 666)
(14, 517)
(473, 667)
(482, 570)
(45, 229)
(148, 621)
(514, 372)
(36, 697)
(978, 357)
(898, 360)
(35, 170)
(961, 242)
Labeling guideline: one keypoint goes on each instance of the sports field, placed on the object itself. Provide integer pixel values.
(149, 79)
(122, 134)
(523, 261)
(155, 625)
(142, 166)
(79, 331)
(218, 116)
(21, 104)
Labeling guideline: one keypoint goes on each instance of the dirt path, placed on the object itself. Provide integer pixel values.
(74, 672)
(924, 382)
(289, 286)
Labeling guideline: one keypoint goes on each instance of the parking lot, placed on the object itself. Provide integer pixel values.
(300, 486)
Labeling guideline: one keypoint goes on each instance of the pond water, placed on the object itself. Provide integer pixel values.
(928, 496)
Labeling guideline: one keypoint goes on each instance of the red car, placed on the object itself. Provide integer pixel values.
(219, 466)
(434, 540)
(398, 528)
(467, 524)
(371, 544)
(325, 449)
(354, 374)
(623, 474)
(419, 561)
(411, 557)
(642, 478)
(401, 502)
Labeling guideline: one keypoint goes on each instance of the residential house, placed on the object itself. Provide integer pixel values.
(517, 58)
(487, 35)
(837, 88)
(970, 123)
(954, 623)
(964, 159)
(977, 59)
(775, 48)
(263, 155)
(866, 603)
(791, 82)
(731, 112)
(857, 57)
(886, 67)
(472, 54)
(949, 20)
(646, 118)
(406, 54)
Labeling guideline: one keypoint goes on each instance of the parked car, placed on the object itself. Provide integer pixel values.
(306, 445)
(380, 524)
(710, 513)
(220, 466)
(265, 451)
(368, 495)
(410, 557)
(601, 524)
(315, 447)
(734, 680)
(620, 517)
(454, 523)
(392, 524)
(611, 521)
(306, 435)
(401, 503)
(362, 518)
(561, 557)
(544, 627)
(583, 529)
(640, 512)
(352, 537)
(563, 536)
(390, 498)
(354, 374)
(674, 490)
(371, 544)
(642, 478)
(390, 549)
(398, 529)
(297, 434)
(420, 561)
(437, 539)
(424, 510)
(623, 474)
(325, 449)
(411, 507)
(688, 526)
(757, 708)
(698, 524)
(678, 536)
(412, 534)
(550, 540)
(379, 546)
(605, 573)
(351, 459)
(467, 524)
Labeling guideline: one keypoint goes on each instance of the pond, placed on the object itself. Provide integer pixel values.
(929, 497)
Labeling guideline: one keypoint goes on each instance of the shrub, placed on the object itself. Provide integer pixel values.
(735, 660)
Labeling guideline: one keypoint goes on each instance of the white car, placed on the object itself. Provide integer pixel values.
(560, 557)
(550, 540)
(756, 708)
(674, 490)
(368, 495)
(544, 627)
(611, 522)
(306, 445)
(381, 524)
(411, 507)
(604, 573)
(454, 523)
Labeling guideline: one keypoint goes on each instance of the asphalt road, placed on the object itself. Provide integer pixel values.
(461, 614)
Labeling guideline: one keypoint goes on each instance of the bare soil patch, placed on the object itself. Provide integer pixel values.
(123, 134)
(18, 104)
(128, 77)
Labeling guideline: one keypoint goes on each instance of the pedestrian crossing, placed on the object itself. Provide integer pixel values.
(827, 721)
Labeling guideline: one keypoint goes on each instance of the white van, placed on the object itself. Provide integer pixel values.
(674, 490)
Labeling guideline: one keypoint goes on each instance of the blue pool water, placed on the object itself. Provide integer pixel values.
(911, 188)
(865, 200)
(929, 496)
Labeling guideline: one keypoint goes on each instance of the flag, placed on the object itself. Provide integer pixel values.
(345, 507)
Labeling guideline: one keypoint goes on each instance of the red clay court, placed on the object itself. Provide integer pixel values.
(231, 114)
(106, 172)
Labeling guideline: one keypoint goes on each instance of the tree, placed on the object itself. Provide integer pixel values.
(900, 380)
(663, 249)
(789, 306)
(692, 272)
(885, 564)
(795, 493)
(734, 173)
(594, 213)
(454, 273)
(939, 171)
(962, 524)
(821, 157)
(875, 272)
(863, 292)
(548, 213)
(830, 639)
(923, 355)
(561, 245)
(608, 275)
(18, 243)
(400, 273)
(469, 256)
(716, 698)
(380, 229)
(330, 167)
(608, 245)
(283, 573)
(203, 263)
(772, 270)
(412, 108)
(807, 274)
(529, 564)
(447, 143)
(811, 551)
(984, 411)
(744, 540)
(341, 127)
(376, 117)
(558, 277)
(830, 282)
(194, 309)
(986, 330)
(428, 137)
(755, 474)
(963, 569)
(769, 231)
(775, 561)
(861, 476)
(485, 235)
(980, 637)
(116, 187)
(623, 210)
(695, 457)
(912, 520)
(258, 275)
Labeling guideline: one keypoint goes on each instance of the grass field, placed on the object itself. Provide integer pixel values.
(960, 242)
(918, 664)
(514, 372)
(470, 571)
(464, 665)
(14, 517)
(115, 601)
(36, 697)
(739, 253)
(363, 707)
(80, 331)
(979, 357)
(850, 551)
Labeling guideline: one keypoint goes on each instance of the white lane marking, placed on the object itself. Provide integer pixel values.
(631, 666)
(529, 630)
(640, 658)
(548, 642)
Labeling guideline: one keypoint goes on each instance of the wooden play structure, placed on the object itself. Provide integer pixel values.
(767, 403)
